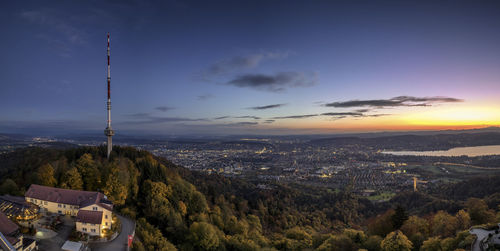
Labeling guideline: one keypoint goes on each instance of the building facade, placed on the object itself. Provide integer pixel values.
(92, 209)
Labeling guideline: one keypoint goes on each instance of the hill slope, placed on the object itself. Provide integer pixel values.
(176, 208)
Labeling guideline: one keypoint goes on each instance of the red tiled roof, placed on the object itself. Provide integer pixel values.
(7, 227)
(87, 216)
(64, 196)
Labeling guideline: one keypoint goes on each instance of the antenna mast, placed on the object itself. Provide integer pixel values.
(108, 131)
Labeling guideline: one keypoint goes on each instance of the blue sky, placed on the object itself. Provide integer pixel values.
(183, 67)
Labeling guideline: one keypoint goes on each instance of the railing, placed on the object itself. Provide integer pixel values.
(5, 244)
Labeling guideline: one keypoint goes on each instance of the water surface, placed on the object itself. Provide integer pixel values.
(471, 151)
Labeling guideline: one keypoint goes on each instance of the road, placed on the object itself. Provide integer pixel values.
(120, 242)
(481, 234)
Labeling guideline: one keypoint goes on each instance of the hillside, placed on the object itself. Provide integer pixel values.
(176, 208)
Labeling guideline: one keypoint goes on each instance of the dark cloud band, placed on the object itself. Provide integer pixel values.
(265, 107)
(274, 83)
(394, 102)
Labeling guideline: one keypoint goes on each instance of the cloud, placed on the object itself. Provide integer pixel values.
(353, 114)
(274, 83)
(297, 116)
(265, 107)
(378, 115)
(164, 108)
(205, 96)
(334, 115)
(342, 115)
(157, 120)
(238, 117)
(236, 63)
(147, 118)
(269, 121)
(247, 117)
(394, 102)
(243, 124)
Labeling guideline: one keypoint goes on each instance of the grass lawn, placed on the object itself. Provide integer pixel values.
(381, 196)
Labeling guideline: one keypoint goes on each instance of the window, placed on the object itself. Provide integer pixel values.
(106, 223)
(105, 216)
(94, 208)
(92, 230)
(64, 206)
(31, 199)
(45, 203)
(84, 229)
(58, 205)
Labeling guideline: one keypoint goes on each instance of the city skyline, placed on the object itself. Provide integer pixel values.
(260, 67)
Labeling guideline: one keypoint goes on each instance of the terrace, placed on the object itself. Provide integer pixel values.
(17, 208)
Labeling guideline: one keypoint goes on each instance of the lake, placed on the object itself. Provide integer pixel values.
(471, 151)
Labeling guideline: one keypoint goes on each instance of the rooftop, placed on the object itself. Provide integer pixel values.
(87, 216)
(67, 196)
(7, 227)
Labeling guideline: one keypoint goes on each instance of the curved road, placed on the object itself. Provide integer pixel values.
(120, 242)
(481, 234)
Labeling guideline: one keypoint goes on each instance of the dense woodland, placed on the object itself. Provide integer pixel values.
(176, 208)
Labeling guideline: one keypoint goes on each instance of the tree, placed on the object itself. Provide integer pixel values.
(116, 188)
(91, 175)
(72, 180)
(479, 211)
(46, 175)
(373, 243)
(463, 220)
(9, 187)
(382, 224)
(356, 236)
(301, 238)
(399, 217)
(157, 199)
(338, 242)
(205, 236)
(432, 244)
(240, 242)
(443, 224)
(152, 238)
(396, 241)
(448, 244)
(415, 225)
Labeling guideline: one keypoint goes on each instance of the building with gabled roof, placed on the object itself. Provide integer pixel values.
(86, 206)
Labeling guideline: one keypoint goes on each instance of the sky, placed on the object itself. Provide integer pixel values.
(249, 67)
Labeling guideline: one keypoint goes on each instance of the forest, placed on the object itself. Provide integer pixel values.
(178, 209)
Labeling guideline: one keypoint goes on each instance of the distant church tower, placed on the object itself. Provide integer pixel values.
(415, 184)
(108, 131)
